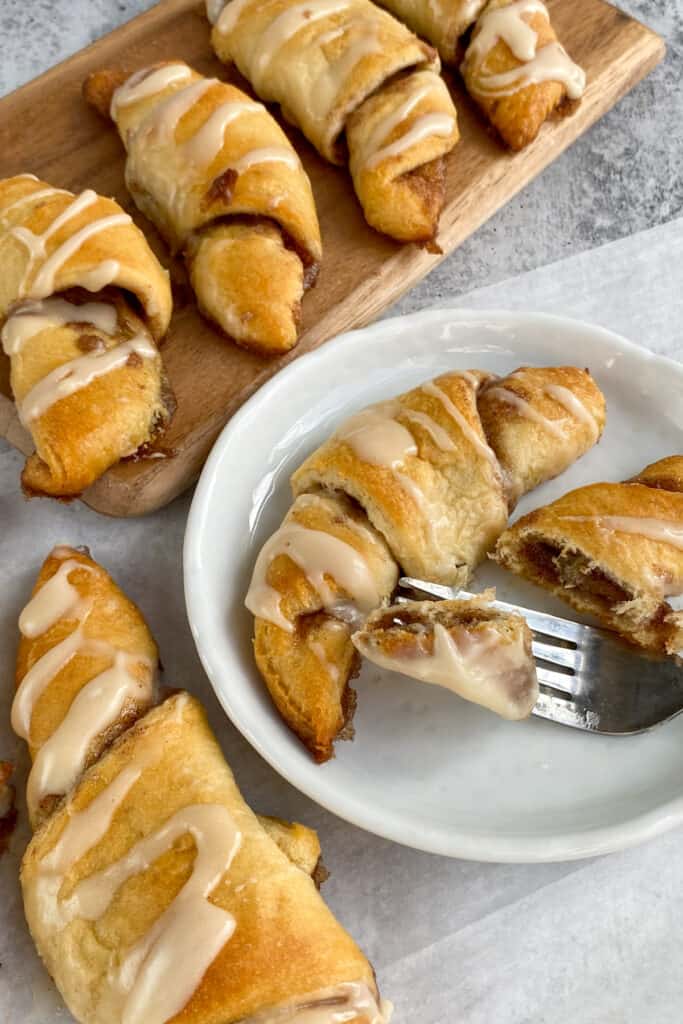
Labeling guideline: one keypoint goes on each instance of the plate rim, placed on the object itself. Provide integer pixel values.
(485, 846)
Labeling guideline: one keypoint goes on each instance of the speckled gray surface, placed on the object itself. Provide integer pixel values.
(622, 176)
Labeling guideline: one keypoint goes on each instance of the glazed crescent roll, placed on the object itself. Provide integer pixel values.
(220, 180)
(84, 367)
(465, 646)
(612, 550)
(315, 579)
(516, 69)
(328, 64)
(422, 469)
(86, 669)
(539, 420)
(154, 894)
(442, 22)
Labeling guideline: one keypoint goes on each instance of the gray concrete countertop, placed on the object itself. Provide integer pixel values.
(622, 176)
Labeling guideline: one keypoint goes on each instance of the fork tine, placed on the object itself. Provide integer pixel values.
(559, 681)
(439, 590)
(556, 655)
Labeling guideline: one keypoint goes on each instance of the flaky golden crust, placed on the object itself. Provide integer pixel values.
(444, 507)
(285, 945)
(381, 46)
(194, 168)
(666, 474)
(402, 194)
(83, 250)
(83, 434)
(248, 282)
(134, 268)
(112, 618)
(612, 550)
(549, 430)
(348, 70)
(519, 115)
(442, 22)
(308, 670)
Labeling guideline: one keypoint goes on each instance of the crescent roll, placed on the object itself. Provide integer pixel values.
(84, 367)
(539, 420)
(421, 467)
(333, 66)
(442, 22)
(612, 550)
(154, 894)
(86, 668)
(479, 653)
(517, 71)
(317, 576)
(218, 177)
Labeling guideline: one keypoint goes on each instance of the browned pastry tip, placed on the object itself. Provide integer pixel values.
(665, 474)
(99, 87)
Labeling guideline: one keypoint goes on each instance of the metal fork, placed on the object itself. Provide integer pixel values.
(588, 678)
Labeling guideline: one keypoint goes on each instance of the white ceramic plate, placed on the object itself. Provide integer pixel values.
(427, 769)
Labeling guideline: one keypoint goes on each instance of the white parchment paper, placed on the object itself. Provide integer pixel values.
(453, 942)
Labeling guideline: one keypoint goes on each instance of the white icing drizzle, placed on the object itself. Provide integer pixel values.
(574, 406)
(265, 155)
(480, 665)
(32, 197)
(214, 8)
(98, 704)
(282, 29)
(44, 281)
(143, 84)
(43, 284)
(527, 410)
(57, 599)
(35, 317)
(103, 274)
(162, 970)
(208, 141)
(421, 85)
(77, 373)
(661, 530)
(229, 16)
(61, 759)
(338, 1004)
(160, 124)
(377, 437)
(318, 555)
(436, 124)
(550, 63)
(506, 23)
(439, 436)
(433, 389)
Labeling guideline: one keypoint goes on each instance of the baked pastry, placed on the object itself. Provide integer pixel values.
(479, 653)
(86, 668)
(422, 469)
(539, 420)
(442, 22)
(517, 70)
(85, 370)
(335, 68)
(219, 178)
(313, 582)
(153, 893)
(612, 550)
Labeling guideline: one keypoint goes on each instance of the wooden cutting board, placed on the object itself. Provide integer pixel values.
(47, 129)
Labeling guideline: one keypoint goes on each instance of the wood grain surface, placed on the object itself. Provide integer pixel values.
(47, 129)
